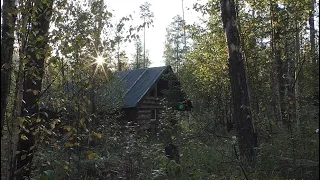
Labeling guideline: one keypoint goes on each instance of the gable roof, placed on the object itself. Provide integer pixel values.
(138, 82)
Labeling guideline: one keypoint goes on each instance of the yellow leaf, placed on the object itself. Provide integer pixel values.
(35, 92)
(98, 135)
(66, 167)
(91, 155)
(68, 128)
(82, 123)
(23, 157)
(68, 145)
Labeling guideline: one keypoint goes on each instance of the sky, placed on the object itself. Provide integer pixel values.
(164, 11)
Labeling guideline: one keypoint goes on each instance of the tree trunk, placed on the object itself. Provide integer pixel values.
(177, 56)
(36, 52)
(276, 66)
(97, 43)
(312, 33)
(8, 25)
(296, 74)
(144, 43)
(119, 62)
(16, 110)
(314, 55)
(137, 58)
(242, 112)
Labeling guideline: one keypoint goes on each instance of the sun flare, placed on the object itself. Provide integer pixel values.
(100, 60)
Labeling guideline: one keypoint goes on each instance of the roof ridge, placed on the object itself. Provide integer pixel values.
(156, 79)
(143, 68)
(136, 81)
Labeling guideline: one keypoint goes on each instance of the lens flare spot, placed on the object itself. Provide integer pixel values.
(100, 60)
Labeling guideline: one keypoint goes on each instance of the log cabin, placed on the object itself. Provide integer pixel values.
(145, 93)
(141, 95)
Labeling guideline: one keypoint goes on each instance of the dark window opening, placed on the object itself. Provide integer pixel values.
(153, 114)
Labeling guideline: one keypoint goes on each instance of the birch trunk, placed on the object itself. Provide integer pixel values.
(242, 112)
(36, 52)
(8, 26)
(16, 111)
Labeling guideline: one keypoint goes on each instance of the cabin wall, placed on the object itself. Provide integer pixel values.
(148, 107)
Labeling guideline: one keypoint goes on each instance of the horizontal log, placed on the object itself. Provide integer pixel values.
(147, 111)
(151, 107)
(151, 98)
(144, 116)
(150, 102)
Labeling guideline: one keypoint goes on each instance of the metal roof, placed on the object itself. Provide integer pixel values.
(138, 82)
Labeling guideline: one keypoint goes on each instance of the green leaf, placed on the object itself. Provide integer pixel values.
(23, 137)
(38, 56)
(67, 127)
(23, 157)
(40, 38)
(20, 120)
(82, 122)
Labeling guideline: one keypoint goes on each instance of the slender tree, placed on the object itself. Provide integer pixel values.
(175, 45)
(147, 17)
(118, 39)
(242, 112)
(8, 25)
(36, 52)
(138, 61)
(23, 22)
(276, 65)
(312, 32)
(314, 54)
(296, 77)
(97, 9)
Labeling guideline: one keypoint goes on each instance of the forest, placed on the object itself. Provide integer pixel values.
(249, 67)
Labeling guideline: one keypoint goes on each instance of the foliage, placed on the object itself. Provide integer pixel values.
(176, 43)
(79, 135)
(138, 57)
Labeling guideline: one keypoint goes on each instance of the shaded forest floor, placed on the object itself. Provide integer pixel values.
(117, 154)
